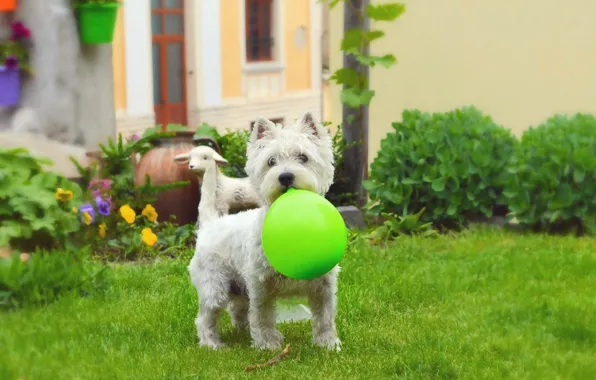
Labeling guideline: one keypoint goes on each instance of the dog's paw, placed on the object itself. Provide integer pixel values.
(214, 345)
(329, 342)
(271, 340)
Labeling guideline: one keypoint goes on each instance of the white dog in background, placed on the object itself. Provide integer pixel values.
(229, 267)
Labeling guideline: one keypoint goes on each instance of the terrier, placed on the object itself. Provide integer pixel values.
(229, 268)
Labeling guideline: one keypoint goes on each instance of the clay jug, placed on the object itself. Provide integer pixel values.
(159, 164)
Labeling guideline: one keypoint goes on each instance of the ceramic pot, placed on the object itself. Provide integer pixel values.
(159, 164)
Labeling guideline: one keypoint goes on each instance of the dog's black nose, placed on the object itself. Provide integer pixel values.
(191, 166)
(286, 179)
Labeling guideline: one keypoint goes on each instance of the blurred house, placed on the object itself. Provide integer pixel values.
(223, 62)
(518, 61)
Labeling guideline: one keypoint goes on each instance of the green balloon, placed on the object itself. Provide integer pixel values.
(304, 236)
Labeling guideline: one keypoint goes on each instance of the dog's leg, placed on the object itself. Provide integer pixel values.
(239, 312)
(323, 303)
(207, 326)
(212, 289)
(261, 318)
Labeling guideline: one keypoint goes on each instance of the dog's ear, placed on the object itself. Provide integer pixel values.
(219, 160)
(182, 158)
(309, 124)
(260, 128)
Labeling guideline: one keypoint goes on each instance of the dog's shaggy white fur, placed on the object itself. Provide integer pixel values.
(229, 267)
(221, 193)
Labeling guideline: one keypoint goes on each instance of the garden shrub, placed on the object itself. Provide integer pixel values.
(552, 177)
(30, 215)
(42, 277)
(449, 163)
(233, 148)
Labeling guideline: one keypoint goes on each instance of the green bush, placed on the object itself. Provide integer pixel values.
(552, 180)
(449, 163)
(233, 146)
(44, 277)
(31, 215)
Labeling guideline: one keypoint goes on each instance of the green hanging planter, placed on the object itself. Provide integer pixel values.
(97, 22)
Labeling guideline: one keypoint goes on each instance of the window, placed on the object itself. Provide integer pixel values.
(259, 30)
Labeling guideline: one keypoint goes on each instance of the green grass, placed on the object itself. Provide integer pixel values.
(478, 305)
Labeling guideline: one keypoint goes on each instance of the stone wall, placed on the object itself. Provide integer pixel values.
(69, 97)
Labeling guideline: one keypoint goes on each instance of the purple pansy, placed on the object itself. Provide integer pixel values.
(103, 206)
(88, 208)
(11, 62)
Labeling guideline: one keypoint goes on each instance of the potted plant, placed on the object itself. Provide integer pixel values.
(157, 162)
(8, 5)
(97, 20)
(14, 57)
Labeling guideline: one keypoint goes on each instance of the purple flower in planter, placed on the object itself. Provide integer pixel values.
(11, 62)
(103, 207)
(87, 208)
(96, 193)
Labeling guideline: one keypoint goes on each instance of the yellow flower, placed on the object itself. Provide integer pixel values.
(63, 195)
(102, 230)
(150, 213)
(87, 218)
(74, 210)
(128, 214)
(149, 237)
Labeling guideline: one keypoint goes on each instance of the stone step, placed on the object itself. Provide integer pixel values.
(40, 147)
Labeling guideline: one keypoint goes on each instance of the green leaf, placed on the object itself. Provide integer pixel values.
(371, 35)
(352, 40)
(438, 184)
(385, 12)
(206, 130)
(354, 97)
(332, 3)
(346, 76)
(366, 96)
(578, 176)
(386, 61)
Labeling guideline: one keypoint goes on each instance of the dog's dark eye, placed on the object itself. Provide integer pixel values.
(204, 157)
(272, 161)
(303, 158)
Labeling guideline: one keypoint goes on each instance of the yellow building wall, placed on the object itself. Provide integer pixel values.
(298, 69)
(518, 61)
(231, 59)
(119, 62)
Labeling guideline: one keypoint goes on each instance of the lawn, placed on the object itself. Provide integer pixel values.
(482, 304)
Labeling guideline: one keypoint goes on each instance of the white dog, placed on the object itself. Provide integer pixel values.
(229, 267)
